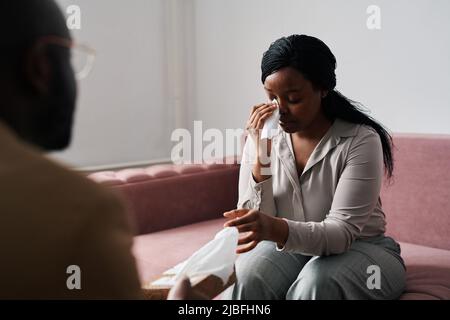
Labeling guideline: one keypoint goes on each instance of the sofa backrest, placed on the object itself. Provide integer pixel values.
(167, 196)
(417, 201)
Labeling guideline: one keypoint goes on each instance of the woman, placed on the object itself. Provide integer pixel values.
(309, 206)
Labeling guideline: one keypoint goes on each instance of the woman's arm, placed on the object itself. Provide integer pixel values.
(254, 194)
(255, 183)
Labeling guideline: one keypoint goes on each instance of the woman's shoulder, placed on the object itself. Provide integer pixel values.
(356, 136)
(356, 130)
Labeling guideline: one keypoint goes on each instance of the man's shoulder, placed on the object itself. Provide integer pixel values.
(40, 178)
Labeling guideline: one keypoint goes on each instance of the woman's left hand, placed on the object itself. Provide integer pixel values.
(257, 226)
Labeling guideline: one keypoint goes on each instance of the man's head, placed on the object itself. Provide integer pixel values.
(37, 82)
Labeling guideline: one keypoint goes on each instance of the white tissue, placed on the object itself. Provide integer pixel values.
(271, 124)
(217, 257)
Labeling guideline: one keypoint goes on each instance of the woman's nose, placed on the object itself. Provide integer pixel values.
(282, 107)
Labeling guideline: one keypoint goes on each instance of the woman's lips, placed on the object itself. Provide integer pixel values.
(288, 125)
(285, 123)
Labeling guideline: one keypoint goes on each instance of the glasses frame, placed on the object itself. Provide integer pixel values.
(74, 46)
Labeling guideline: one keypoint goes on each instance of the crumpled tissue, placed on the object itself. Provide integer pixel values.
(217, 257)
(270, 127)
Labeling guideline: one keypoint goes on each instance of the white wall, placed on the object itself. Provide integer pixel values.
(163, 63)
(401, 72)
(122, 113)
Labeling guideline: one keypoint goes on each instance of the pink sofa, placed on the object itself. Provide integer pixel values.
(417, 207)
(177, 209)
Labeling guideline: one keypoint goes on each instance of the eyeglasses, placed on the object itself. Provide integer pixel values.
(82, 56)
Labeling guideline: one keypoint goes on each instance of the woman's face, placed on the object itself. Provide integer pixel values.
(300, 103)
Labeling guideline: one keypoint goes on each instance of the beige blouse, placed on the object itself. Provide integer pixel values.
(336, 198)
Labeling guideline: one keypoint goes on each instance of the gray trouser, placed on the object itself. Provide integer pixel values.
(265, 273)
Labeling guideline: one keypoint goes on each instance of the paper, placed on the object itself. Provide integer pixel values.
(175, 270)
(168, 278)
(271, 124)
(168, 281)
(217, 257)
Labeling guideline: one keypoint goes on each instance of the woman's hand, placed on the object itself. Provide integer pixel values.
(258, 116)
(254, 125)
(257, 227)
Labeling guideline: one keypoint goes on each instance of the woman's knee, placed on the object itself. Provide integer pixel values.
(315, 281)
(328, 278)
(251, 272)
(260, 274)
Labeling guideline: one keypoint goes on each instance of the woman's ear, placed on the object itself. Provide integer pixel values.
(324, 93)
(38, 70)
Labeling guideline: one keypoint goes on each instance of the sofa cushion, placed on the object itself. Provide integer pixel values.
(132, 175)
(106, 178)
(156, 252)
(427, 274)
(416, 203)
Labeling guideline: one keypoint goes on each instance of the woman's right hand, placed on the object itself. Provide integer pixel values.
(254, 125)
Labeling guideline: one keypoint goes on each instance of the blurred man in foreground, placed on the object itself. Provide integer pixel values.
(62, 236)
